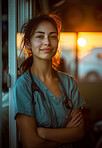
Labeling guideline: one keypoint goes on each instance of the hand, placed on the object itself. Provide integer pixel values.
(76, 119)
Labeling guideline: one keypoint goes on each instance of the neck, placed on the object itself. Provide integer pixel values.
(42, 69)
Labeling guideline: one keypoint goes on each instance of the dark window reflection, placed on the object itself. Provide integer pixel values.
(5, 98)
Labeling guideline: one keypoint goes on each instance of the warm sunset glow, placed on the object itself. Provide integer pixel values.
(67, 41)
(93, 40)
(19, 39)
(81, 42)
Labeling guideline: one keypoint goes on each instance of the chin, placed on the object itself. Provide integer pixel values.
(49, 57)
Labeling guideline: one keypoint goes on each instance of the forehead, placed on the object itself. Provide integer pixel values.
(46, 26)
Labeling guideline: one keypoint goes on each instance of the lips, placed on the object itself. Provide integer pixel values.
(46, 49)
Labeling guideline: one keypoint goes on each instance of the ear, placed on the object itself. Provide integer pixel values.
(27, 45)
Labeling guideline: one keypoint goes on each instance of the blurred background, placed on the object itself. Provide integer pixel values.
(81, 47)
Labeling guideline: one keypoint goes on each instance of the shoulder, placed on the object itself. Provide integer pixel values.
(66, 76)
(23, 80)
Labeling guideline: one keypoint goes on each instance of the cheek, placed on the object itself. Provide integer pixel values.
(55, 43)
(36, 44)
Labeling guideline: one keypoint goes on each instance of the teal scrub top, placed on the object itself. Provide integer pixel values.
(49, 110)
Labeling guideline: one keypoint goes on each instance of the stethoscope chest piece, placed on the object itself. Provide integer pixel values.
(68, 103)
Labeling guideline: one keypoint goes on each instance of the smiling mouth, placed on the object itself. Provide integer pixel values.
(46, 50)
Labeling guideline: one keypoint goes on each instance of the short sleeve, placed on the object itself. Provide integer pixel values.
(77, 99)
(22, 99)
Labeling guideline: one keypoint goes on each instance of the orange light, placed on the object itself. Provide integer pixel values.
(19, 39)
(66, 116)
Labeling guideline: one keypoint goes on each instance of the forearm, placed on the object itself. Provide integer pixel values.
(46, 144)
(63, 135)
(38, 142)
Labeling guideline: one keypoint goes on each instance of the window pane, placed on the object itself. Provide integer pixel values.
(67, 45)
(21, 54)
(90, 56)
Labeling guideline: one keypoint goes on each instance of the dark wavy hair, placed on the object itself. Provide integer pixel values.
(28, 30)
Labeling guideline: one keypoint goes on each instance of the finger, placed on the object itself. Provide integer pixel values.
(72, 113)
(75, 112)
(81, 122)
(76, 116)
(76, 125)
(77, 120)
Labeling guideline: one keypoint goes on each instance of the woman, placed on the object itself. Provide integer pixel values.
(47, 102)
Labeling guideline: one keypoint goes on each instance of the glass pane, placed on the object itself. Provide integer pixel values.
(21, 54)
(90, 56)
(67, 45)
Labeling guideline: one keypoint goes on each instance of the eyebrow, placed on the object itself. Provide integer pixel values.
(44, 32)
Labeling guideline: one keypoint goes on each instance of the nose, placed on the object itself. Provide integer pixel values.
(46, 41)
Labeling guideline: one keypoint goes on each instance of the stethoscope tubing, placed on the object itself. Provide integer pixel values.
(35, 87)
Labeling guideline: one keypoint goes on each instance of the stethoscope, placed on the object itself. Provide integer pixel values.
(34, 87)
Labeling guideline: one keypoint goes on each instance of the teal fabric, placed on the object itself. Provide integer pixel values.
(50, 109)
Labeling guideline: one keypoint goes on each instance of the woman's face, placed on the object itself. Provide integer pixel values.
(44, 41)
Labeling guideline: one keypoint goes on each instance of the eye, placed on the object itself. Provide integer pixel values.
(40, 36)
(54, 36)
